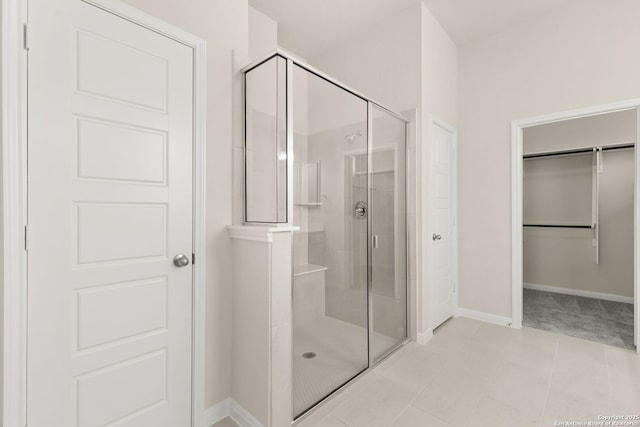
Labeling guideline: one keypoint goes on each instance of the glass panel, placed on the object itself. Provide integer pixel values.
(330, 339)
(266, 142)
(388, 229)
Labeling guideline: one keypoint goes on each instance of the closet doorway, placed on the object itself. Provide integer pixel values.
(575, 218)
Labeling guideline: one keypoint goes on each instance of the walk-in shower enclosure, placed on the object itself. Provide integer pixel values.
(332, 163)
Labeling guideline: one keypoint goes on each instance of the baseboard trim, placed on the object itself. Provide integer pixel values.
(578, 292)
(216, 413)
(424, 337)
(484, 317)
(241, 416)
(232, 409)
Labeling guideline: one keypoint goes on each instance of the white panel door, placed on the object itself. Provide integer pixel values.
(443, 266)
(110, 205)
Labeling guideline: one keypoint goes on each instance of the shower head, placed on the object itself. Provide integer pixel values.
(352, 137)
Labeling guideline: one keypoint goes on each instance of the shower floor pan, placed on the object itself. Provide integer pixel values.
(340, 354)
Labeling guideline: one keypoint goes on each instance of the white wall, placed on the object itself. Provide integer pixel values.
(581, 55)
(439, 72)
(263, 34)
(224, 25)
(382, 61)
(439, 99)
(601, 130)
(1, 255)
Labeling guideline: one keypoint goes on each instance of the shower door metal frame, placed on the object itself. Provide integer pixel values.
(370, 151)
(294, 60)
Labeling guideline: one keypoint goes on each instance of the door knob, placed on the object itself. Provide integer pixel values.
(437, 237)
(181, 260)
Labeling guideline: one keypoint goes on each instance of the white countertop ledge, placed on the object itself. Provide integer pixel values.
(258, 233)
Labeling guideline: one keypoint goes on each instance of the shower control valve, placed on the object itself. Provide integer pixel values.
(360, 210)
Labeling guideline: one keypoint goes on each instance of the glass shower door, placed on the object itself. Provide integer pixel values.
(330, 301)
(388, 255)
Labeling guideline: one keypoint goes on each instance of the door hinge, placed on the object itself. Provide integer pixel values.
(27, 239)
(193, 259)
(26, 35)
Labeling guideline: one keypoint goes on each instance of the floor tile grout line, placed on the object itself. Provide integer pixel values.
(555, 372)
(550, 380)
(606, 361)
(400, 414)
(415, 397)
(431, 415)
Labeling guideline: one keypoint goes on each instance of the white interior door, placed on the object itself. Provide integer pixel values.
(110, 205)
(443, 239)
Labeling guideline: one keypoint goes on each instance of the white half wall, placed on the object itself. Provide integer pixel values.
(582, 55)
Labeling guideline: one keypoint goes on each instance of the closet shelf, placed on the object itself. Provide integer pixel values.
(301, 270)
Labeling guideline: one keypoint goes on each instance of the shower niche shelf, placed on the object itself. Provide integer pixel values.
(308, 185)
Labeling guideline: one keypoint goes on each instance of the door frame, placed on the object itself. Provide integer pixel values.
(517, 166)
(14, 201)
(436, 121)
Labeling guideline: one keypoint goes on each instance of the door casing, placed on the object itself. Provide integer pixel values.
(517, 137)
(14, 199)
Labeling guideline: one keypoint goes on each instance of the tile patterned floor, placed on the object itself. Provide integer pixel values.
(477, 374)
(591, 319)
(227, 422)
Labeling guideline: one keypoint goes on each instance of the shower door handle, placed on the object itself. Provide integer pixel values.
(374, 242)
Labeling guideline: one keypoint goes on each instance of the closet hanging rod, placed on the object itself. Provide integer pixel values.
(577, 151)
(559, 226)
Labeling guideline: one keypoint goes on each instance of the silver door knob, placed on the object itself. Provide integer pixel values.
(181, 260)
(437, 237)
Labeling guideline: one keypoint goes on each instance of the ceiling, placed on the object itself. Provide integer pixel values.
(310, 27)
(468, 20)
